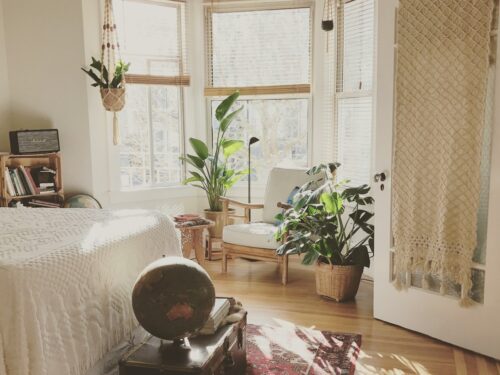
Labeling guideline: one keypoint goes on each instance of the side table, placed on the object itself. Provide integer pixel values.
(192, 238)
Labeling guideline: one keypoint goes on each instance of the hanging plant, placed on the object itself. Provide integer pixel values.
(94, 72)
(109, 75)
(327, 20)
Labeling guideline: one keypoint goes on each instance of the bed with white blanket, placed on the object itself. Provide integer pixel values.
(66, 277)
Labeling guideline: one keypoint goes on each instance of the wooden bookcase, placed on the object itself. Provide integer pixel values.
(51, 160)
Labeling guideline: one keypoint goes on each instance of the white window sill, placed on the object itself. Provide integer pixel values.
(153, 194)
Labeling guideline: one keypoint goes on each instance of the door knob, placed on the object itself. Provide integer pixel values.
(379, 177)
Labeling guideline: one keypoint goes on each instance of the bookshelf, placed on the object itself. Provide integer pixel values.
(50, 160)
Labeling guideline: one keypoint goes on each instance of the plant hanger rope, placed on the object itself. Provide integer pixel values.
(113, 94)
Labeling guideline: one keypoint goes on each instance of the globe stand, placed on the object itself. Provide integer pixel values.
(175, 346)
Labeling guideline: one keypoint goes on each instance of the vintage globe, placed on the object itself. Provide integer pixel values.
(173, 298)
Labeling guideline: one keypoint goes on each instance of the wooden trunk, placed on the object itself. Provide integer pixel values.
(221, 353)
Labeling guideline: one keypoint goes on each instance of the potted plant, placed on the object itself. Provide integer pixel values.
(329, 224)
(211, 171)
(112, 88)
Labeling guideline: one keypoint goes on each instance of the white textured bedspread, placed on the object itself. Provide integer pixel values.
(66, 277)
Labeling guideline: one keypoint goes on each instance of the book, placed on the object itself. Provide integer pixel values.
(32, 182)
(8, 183)
(24, 183)
(27, 181)
(18, 182)
(217, 316)
(40, 203)
(12, 178)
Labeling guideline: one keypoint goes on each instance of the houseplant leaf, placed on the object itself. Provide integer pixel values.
(226, 122)
(199, 147)
(225, 105)
(332, 202)
(231, 146)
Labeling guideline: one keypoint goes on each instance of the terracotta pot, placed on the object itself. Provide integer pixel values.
(339, 283)
(218, 218)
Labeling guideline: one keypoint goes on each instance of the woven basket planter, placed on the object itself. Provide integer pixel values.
(113, 99)
(340, 283)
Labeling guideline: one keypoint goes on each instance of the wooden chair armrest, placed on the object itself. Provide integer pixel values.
(285, 206)
(250, 206)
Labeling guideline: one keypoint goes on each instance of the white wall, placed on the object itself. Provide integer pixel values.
(44, 52)
(4, 88)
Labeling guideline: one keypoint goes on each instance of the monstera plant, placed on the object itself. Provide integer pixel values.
(210, 170)
(330, 224)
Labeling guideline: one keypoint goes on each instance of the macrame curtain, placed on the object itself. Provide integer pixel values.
(443, 52)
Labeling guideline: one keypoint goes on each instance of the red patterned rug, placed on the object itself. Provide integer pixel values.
(293, 350)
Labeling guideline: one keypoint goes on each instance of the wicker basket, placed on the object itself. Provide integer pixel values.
(113, 99)
(340, 283)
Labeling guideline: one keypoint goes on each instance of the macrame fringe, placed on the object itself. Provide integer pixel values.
(116, 130)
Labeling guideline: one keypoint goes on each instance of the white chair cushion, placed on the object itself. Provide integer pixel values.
(253, 235)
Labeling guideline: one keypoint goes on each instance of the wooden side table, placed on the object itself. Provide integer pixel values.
(192, 238)
(214, 253)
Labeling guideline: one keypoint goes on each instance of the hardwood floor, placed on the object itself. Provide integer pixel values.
(386, 349)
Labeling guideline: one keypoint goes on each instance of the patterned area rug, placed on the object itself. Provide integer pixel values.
(290, 350)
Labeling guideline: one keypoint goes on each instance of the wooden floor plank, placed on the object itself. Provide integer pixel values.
(386, 348)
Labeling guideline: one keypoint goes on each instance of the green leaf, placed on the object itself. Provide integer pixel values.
(310, 257)
(226, 121)
(199, 163)
(199, 147)
(192, 179)
(94, 76)
(359, 256)
(332, 202)
(226, 104)
(231, 146)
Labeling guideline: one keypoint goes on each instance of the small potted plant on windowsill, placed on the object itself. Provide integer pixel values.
(329, 224)
(211, 171)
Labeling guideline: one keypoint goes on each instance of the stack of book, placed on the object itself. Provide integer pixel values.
(217, 316)
(23, 181)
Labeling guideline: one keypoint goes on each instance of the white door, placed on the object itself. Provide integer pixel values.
(478, 327)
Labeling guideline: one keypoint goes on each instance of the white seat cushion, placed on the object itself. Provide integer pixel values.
(253, 235)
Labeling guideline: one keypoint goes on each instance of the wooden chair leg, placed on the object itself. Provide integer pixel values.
(284, 270)
(224, 259)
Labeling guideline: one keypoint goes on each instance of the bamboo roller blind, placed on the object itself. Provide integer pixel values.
(154, 36)
(258, 48)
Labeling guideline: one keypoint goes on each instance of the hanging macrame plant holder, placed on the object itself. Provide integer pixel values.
(327, 23)
(113, 98)
(327, 19)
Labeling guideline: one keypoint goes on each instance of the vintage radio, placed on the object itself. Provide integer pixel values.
(34, 141)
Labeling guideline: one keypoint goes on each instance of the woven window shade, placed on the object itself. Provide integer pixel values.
(354, 81)
(355, 45)
(259, 48)
(154, 39)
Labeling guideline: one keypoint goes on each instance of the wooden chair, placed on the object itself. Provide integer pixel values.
(255, 240)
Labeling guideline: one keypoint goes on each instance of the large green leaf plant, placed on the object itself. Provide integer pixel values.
(211, 171)
(328, 221)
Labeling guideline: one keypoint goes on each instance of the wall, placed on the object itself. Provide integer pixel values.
(44, 52)
(4, 88)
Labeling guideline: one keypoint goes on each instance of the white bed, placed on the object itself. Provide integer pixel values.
(66, 277)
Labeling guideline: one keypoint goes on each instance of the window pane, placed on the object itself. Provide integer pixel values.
(355, 138)
(281, 126)
(150, 37)
(151, 134)
(255, 48)
(356, 46)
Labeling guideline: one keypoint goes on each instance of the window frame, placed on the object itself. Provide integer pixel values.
(180, 82)
(264, 92)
